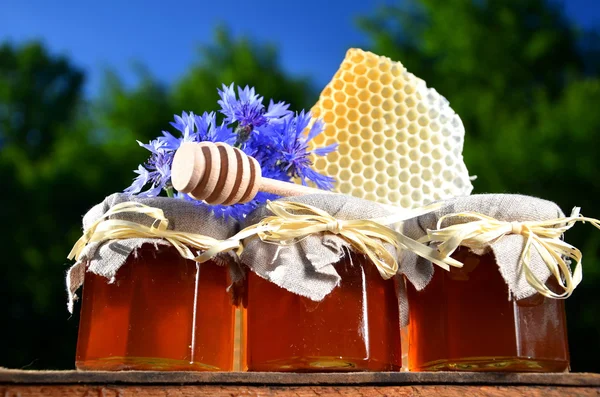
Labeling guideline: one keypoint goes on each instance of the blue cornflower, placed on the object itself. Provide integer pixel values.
(248, 110)
(295, 156)
(272, 135)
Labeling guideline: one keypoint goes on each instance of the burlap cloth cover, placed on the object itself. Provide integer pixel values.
(106, 258)
(507, 249)
(307, 267)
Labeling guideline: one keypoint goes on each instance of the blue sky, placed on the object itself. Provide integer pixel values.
(312, 35)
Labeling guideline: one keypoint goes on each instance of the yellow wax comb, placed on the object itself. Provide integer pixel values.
(400, 143)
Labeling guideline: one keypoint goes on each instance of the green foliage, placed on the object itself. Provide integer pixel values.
(527, 90)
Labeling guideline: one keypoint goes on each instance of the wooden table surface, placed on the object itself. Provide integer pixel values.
(21, 383)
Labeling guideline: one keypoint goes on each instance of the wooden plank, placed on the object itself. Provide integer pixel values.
(263, 378)
(295, 391)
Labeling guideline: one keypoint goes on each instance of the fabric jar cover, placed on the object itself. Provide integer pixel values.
(306, 268)
(507, 249)
(106, 258)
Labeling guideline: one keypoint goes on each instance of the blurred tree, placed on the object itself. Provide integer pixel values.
(525, 82)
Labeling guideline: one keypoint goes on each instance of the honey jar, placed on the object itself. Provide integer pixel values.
(463, 320)
(354, 328)
(162, 312)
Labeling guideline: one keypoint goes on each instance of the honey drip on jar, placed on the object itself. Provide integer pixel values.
(354, 328)
(145, 319)
(464, 320)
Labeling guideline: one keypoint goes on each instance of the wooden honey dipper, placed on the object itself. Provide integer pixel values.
(221, 174)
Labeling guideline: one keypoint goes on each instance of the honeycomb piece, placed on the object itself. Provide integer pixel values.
(400, 143)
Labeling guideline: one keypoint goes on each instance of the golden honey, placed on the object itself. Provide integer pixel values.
(354, 328)
(163, 312)
(464, 321)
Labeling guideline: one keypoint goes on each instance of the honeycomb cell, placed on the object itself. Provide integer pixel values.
(354, 129)
(375, 87)
(399, 97)
(356, 167)
(348, 77)
(378, 128)
(341, 123)
(340, 110)
(346, 188)
(412, 115)
(338, 85)
(404, 176)
(362, 82)
(333, 169)
(343, 150)
(352, 115)
(403, 149)
(404, 163)
(390, 144)
(360, 69)
(380, 166)
(367, 147)
(400, 142)
(415, 181)
(354, 140)
(364, 108)
(389, 132)
(345, 163)
(381, 179)
(400, 125)
(328, 117)
(416, 196)
(350, 90)
(405, 189)
(376, 113)
(339, 97)
(425, 162)
(333, 157)
(370, 186)
(357, 180)
(376, 101)
(373, 74)
(388, 106)
(406, 202)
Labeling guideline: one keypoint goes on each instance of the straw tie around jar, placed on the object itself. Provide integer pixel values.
(293, 221)
(115, 229)
(478, 231)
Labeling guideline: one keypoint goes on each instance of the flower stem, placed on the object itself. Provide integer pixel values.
(170, 192)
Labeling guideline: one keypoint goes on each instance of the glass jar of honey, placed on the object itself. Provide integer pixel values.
(463, 320)
(354, 328)
(162, 312)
